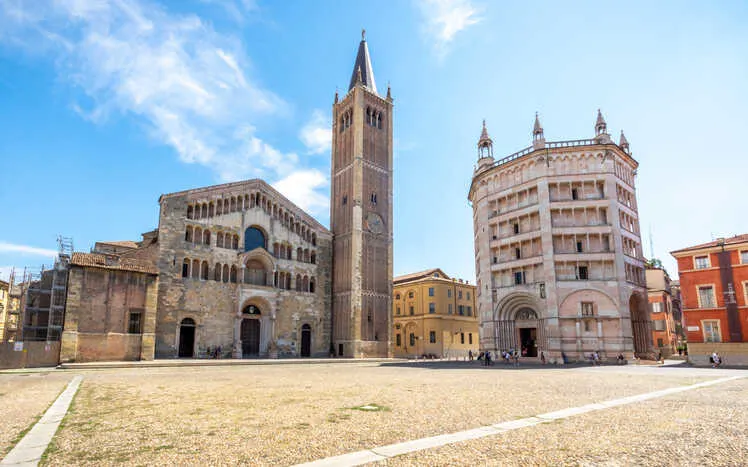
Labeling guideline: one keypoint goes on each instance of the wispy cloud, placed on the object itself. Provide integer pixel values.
(6, 247)
(302, 187)
(444, 19)
(189, 84)
(238, 10)
(317, 133)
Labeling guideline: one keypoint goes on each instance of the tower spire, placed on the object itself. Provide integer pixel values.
(363, 63)
(538, 139)
(485, 143)
(600, 125)
(624, 143)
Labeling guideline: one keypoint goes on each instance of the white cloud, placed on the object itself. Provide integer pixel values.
(5, 273)
(188, 83)
(445, 18)
(302, 187)
(26, 250)
(317, 133)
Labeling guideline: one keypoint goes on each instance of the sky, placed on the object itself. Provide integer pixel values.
(107, 104)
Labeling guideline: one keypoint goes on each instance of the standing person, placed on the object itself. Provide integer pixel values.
(542, 358)
(470, 355)
(714, 359)
(488, 358)
(516, 358)
(563, 358)
(659, 357)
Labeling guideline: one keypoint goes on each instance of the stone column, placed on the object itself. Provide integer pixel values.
(237, 352)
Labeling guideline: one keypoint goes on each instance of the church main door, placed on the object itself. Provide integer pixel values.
(187, 338)
(250, 336)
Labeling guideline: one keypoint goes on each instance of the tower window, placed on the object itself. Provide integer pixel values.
(374, 199)
(519, 277)
(574, 194)
(518, 253)
(579, 247)
(516, 228)
(345, 200)
(582, 273)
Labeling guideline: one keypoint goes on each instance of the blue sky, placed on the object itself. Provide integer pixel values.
(105, 105)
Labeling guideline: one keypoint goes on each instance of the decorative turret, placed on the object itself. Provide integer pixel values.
(362, 70)
(624, 143)
(538, 139)
(485, 146)
(600, 126)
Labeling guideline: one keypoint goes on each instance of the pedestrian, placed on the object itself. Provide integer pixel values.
(564, 360)
(470, 355)
(542, 358)
(713, 359)
(620, 358)
(488, 358)
(516, 358)
(659, 357)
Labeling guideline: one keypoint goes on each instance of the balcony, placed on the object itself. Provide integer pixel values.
(584, 256)
(498, 241)
(513, 210)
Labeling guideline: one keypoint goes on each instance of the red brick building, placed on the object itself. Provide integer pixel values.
(714, 290)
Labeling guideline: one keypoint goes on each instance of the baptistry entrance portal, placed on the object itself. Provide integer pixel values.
(527, 339)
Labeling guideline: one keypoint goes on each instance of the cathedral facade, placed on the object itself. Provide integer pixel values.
(238, 270)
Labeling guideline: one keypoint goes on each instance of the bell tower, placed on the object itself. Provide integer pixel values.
(361, 215)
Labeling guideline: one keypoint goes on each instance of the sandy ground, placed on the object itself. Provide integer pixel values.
(704, 427)
(23, 399)
(280, 415)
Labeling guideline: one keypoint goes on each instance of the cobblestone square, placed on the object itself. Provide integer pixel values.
(295, 413)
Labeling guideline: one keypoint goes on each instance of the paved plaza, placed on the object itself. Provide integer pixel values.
(298, 413)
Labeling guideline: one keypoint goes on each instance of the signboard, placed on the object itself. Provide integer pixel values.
(693, 328)
(18, 346)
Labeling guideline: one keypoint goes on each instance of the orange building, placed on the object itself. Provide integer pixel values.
(714, 292)
(661, 310)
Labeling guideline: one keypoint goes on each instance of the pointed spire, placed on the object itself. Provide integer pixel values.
(623, 142)
(600, 125)
(485, 143)
(389, 92)
(537, 130)
(362, 70)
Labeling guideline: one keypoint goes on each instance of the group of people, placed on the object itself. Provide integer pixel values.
(508, 357)
(715, 360)
(214, 352)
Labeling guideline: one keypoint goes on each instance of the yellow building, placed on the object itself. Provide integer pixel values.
(433, 315)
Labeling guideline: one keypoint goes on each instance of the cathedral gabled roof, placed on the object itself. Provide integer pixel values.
(363, 66)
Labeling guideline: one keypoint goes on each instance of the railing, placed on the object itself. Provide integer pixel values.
(513, 209)
(570, 144)
(514, 156)
(563, 200)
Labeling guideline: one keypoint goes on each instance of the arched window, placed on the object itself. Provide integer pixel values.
(288, 281)
(188, 234)
(233, 274)
(313, 258)
(189, 211)
(289, 250)
(225, 273)
(186, 268)
(226, 206)
(206, 237)
(205, 211)
(298, 283)
(311, 285)
(305, 284)
(247, 202)
(211, 209)
(275, 279)
(195, 269)
(219, 239)
(217, 273)
(219, 207)
(379, 121)
(253, 238)
(276, 249)
(314, 239)
(306, 255)
(198, 236)
(204, 271)
(299, 254)
(235, 243)
(233, 204)
(281, 280)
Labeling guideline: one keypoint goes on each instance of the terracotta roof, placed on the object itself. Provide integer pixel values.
(96, 260)
(124, 243)
(419, 275)
(743, 238)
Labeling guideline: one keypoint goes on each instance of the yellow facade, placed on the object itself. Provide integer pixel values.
(433, 315)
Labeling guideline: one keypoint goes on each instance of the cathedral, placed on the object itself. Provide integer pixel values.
(239, 271)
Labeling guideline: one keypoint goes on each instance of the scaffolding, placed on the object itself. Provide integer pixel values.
(43, 293)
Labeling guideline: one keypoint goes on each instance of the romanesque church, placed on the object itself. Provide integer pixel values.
(239, 271)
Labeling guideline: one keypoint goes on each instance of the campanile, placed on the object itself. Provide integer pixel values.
(361, 215)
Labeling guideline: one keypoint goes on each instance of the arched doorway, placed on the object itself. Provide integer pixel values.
(187, 338)
(250, 331)
(527, 322)
(306, 341)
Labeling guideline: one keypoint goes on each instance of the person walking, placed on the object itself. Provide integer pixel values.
(542, 358)
(516, 358)
(488, 358)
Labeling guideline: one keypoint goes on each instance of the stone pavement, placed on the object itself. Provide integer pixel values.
(29, 451)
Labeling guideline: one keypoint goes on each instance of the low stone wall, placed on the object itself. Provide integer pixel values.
(732, 353)
(33, 355)
(91, 347)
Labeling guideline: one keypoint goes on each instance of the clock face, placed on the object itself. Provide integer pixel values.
(374, 223)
